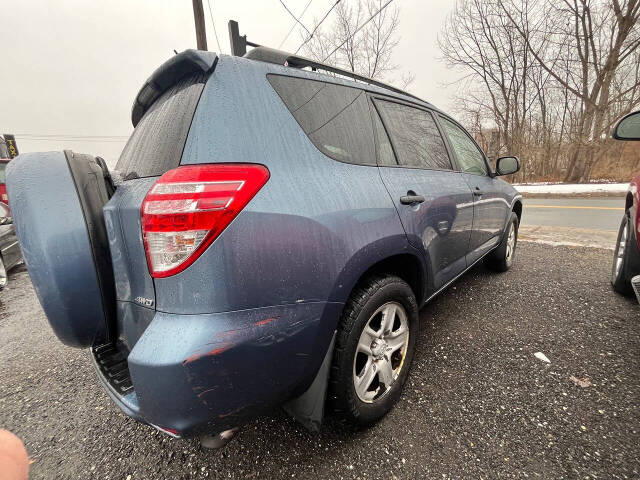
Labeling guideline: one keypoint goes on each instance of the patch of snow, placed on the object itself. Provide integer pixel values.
(573, 188)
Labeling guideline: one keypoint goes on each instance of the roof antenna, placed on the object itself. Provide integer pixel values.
(175, 51)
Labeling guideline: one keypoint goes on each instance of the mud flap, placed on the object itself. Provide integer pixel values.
(57, 199)
(308, 408)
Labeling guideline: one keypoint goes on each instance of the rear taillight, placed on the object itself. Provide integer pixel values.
(187, 208)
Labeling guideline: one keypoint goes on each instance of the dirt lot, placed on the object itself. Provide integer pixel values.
(478, 404)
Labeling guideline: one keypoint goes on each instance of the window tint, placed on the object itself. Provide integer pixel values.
(385, 152)
(157, 142)
(415, 136)
(334, 117)
(469, 156)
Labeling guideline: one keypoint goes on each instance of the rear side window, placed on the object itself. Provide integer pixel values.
(415, 136)
(157, 142)
(334, 117)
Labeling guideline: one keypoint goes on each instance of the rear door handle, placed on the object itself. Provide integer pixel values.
(411, 199)
(477, 192)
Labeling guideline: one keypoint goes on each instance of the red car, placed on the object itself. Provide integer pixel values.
(625, 273)
(3, 186)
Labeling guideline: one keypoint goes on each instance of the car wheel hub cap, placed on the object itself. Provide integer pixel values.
(511, 243)
(380, 353)
(619, 258)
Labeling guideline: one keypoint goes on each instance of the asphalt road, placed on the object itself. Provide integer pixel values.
(477, 404)
(600, 213)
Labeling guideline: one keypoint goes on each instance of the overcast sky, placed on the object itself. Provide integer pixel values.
(72, 67)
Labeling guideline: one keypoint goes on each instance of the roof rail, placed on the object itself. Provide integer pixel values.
(279, 57)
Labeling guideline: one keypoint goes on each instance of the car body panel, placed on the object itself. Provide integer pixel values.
(490, 209)
(223, 368)
(301, 229)
(122, 220)
(440, 227)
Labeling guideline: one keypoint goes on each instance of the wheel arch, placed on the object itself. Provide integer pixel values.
(517, 209)
(628, 202)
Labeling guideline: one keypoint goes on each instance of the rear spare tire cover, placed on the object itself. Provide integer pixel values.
(56, 200)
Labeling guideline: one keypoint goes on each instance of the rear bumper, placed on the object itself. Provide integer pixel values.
(195, 374)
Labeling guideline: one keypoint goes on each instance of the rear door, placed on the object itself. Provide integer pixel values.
(154, 148)
(433, 200)
(490, 207)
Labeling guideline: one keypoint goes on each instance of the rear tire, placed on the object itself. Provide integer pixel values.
(621, 269)
(502, 257)
(375, 343)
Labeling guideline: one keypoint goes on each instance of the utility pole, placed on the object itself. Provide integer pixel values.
(201, 33)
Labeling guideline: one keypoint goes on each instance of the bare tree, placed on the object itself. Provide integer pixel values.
(550, 76)
(367, 52)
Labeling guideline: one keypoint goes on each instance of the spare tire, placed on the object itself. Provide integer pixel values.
(56, 200)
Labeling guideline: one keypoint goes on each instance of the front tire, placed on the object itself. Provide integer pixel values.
(501, 259)
(621, 269)
(375, 343)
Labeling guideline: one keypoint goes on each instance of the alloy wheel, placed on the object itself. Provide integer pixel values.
(381, 351)
(511, 244)
(620, 250)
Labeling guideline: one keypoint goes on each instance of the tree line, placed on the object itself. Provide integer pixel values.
(546, 80)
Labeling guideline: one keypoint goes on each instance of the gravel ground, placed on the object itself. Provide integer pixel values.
(478, 404)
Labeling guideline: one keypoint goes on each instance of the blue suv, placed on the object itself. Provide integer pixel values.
(267, 238)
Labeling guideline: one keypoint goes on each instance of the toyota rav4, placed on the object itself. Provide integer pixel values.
(267, 238)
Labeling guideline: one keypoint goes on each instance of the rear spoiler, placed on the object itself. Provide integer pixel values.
(167, 74)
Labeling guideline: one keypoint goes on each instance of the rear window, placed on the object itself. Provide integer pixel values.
(334, 117)
(158, 140)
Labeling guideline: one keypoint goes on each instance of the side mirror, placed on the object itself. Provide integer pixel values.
(628, 128)
(507, 165)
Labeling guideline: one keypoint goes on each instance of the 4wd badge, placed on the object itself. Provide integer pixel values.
(146, 302)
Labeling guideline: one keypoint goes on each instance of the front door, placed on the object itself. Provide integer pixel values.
(434, 202)
(490, 206)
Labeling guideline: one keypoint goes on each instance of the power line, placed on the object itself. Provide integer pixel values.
(294, 17)
(357, 30)
(317, 26)
(293, 27)
(214, 27)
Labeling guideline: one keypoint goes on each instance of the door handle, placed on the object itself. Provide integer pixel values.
(477, 192)
(411, 199)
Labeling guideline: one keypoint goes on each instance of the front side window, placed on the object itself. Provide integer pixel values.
(334, 117)
(470, 158)
(415, 136)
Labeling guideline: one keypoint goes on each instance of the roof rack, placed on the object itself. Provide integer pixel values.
(279, 57)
